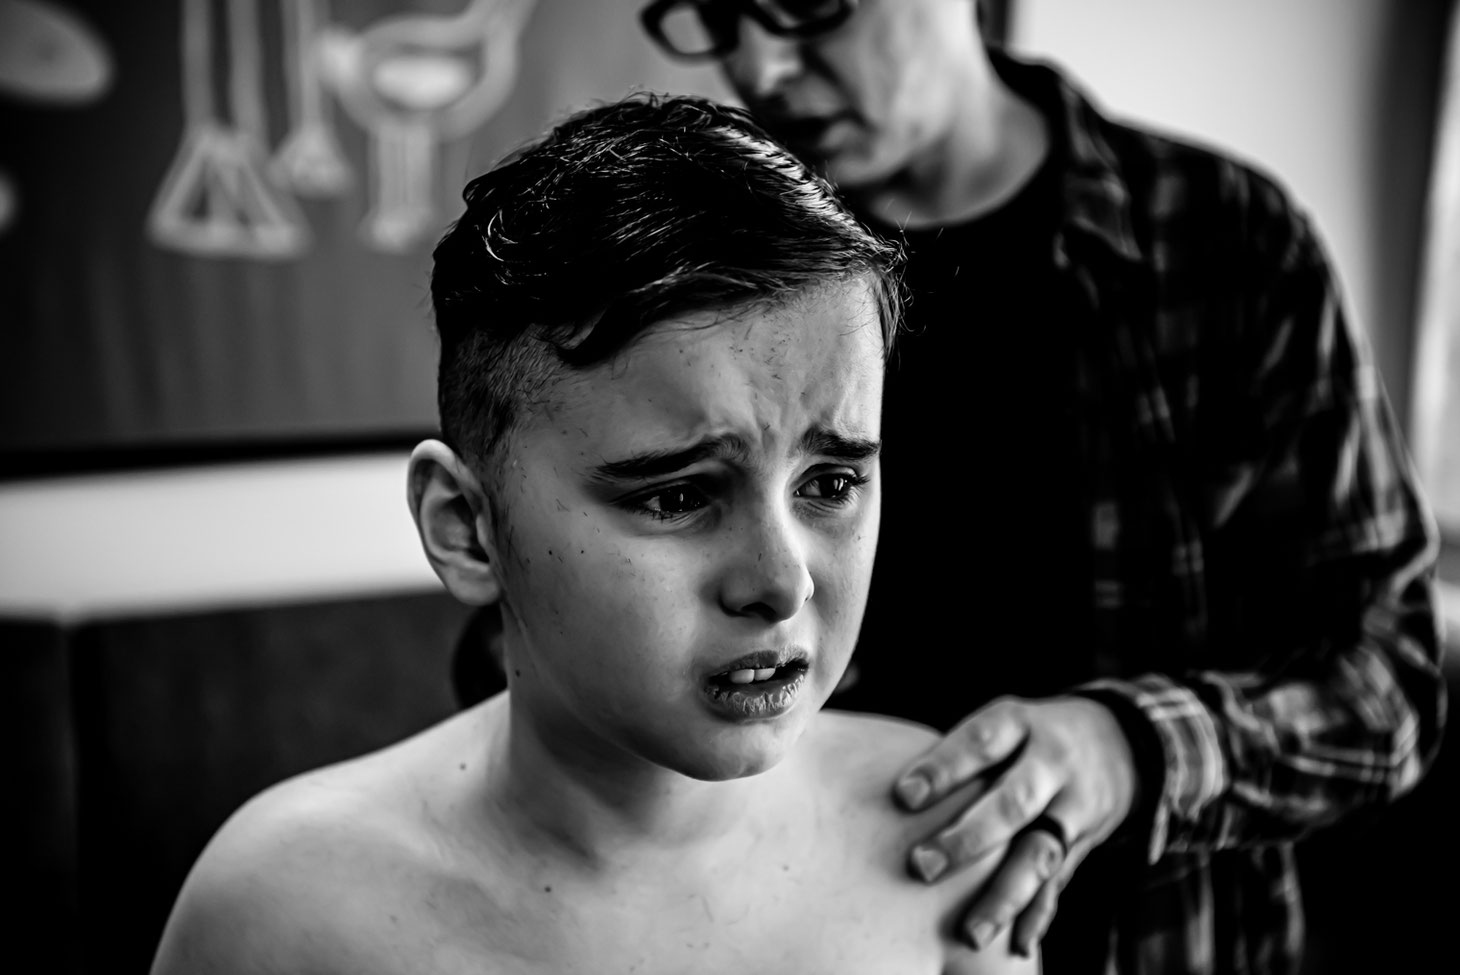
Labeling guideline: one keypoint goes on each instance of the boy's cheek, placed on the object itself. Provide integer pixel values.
(850, 549)
(584, 570)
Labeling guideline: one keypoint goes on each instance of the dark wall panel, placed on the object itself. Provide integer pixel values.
(216, 216)
(142, 736)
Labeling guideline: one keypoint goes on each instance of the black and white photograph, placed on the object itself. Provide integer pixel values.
(730, 487)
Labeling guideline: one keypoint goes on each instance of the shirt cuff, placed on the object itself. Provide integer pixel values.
(1180, 767)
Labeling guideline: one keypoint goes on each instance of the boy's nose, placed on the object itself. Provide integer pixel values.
(762, 64)
(769, 577)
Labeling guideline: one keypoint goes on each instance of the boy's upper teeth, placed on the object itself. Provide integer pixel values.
(748, 674)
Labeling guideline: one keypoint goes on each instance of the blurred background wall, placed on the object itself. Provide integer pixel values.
(214, 354)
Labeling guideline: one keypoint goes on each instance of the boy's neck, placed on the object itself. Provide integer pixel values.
(584, 800)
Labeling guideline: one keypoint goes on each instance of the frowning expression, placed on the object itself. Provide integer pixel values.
(685, 534)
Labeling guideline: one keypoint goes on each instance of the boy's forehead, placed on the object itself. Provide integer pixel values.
(760, 371)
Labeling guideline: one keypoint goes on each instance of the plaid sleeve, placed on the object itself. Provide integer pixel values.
(1351, 713)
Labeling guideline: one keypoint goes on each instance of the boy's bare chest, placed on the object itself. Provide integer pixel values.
(772, 917)
(796, 929)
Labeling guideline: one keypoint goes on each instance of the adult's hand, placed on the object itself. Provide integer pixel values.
(1067, 759)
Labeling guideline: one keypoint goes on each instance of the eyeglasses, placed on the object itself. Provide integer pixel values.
(698, 30)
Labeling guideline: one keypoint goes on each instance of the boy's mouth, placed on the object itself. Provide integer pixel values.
(757, 675)
(760, 667)
(758, 685)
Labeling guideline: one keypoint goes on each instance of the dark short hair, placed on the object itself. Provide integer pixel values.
(624, 215)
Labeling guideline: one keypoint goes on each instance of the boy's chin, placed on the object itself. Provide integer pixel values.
(739, 753)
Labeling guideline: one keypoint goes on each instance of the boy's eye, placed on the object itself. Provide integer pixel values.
(831, 487)
(669, 502)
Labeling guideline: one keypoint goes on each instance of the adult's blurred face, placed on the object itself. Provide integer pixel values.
(865, 99)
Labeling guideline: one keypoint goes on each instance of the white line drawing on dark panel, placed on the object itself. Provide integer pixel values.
(47, 55)
(216, 198)
(412, 81)
(309, 159)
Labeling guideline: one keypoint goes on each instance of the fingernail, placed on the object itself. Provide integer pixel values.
(981, 933)
(930, 862)
(914, 790)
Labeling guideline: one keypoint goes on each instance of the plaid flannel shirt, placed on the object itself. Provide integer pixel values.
(1263, 561)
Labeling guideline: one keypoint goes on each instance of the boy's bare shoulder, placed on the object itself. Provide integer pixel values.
(866, 746)
(310, 875)
(287, 882)
(858, 758)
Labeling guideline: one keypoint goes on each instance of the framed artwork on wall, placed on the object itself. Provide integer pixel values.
(216, 216)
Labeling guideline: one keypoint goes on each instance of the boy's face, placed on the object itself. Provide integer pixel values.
(686, 535)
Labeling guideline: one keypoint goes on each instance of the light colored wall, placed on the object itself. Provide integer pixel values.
(1334, 97)
(253, 534)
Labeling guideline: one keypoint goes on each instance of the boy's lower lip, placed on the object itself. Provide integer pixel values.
(761, 699)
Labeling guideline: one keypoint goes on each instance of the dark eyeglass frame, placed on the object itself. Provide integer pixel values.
(761, 11)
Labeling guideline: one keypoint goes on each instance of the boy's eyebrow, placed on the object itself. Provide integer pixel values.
(823, 442)
(659, 463)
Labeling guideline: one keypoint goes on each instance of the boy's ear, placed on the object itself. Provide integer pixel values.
(450, 507)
